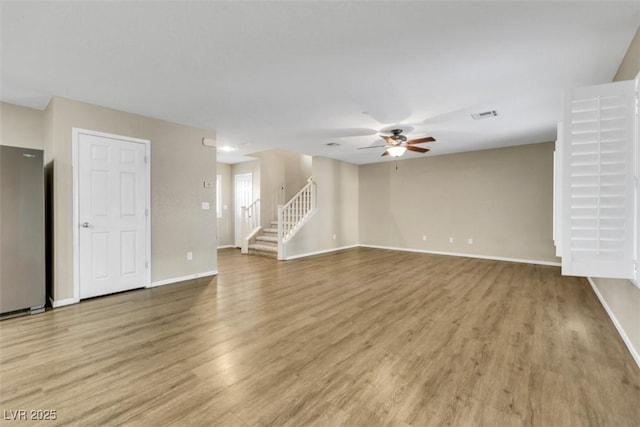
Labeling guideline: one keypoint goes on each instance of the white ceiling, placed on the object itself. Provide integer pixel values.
(297, 75)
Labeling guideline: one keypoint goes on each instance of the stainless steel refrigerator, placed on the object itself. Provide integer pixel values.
(22, 230)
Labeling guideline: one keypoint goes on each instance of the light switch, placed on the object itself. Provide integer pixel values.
(205, 206)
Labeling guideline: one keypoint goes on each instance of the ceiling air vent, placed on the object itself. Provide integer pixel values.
(484, 115)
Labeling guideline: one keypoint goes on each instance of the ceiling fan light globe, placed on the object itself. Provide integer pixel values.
(396, 151)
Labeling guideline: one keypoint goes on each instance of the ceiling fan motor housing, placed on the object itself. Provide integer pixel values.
(399, 139)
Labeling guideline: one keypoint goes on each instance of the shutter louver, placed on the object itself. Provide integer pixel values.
(597, 181)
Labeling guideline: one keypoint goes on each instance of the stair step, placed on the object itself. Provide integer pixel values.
(270, 239)
(263, 250)
(275, 230)
(273, 255)
(262, 247)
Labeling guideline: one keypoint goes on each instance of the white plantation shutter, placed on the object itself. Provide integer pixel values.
(597, 179)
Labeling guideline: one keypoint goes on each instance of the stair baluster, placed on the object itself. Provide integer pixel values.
(294, 214)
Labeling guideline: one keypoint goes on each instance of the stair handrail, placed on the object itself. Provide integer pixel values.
(293, 214)
(249, 223)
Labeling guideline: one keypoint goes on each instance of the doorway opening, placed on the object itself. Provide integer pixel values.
(243, 196)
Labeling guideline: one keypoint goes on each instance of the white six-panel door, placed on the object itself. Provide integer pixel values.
(112, 214)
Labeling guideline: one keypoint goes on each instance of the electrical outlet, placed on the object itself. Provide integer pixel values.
(470, 241)
(334, 237)
(424, 237)
(189, 256)
(450, 239)
(205, 206)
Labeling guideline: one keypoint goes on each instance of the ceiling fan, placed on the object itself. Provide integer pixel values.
(397, 144)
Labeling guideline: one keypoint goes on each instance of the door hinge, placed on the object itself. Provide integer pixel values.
(146, 265)
(146, 160)
(146, 212)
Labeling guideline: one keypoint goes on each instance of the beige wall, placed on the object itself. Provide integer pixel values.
(306, 168)
(280, 172)
(298, 169)
(225, 224)
(338, 209)
(630, 65)
(272, 183)
(622, 296)
(179, 165)
(500, 198)
(48, 133)
(22, 127)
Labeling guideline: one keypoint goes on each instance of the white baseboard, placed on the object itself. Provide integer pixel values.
(324, 251)
(227, 247)
(494, 258)
(69, 301)
(395, 248)
(182, 279)
(63, 302)
(616, 323)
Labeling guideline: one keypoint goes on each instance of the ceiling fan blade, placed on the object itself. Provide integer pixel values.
(386, 153)
(335, 133)
(421, 140)
(417, 149)
(372, 146)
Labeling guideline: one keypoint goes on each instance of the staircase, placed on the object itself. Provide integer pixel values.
(294, 214)
(271, 241)
(267, 243)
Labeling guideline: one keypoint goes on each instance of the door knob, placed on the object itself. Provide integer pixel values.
(85, 225)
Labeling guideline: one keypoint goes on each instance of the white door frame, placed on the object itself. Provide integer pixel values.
(235, 205)
(75, 142)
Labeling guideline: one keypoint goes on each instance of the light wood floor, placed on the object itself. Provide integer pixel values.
(364, 337)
